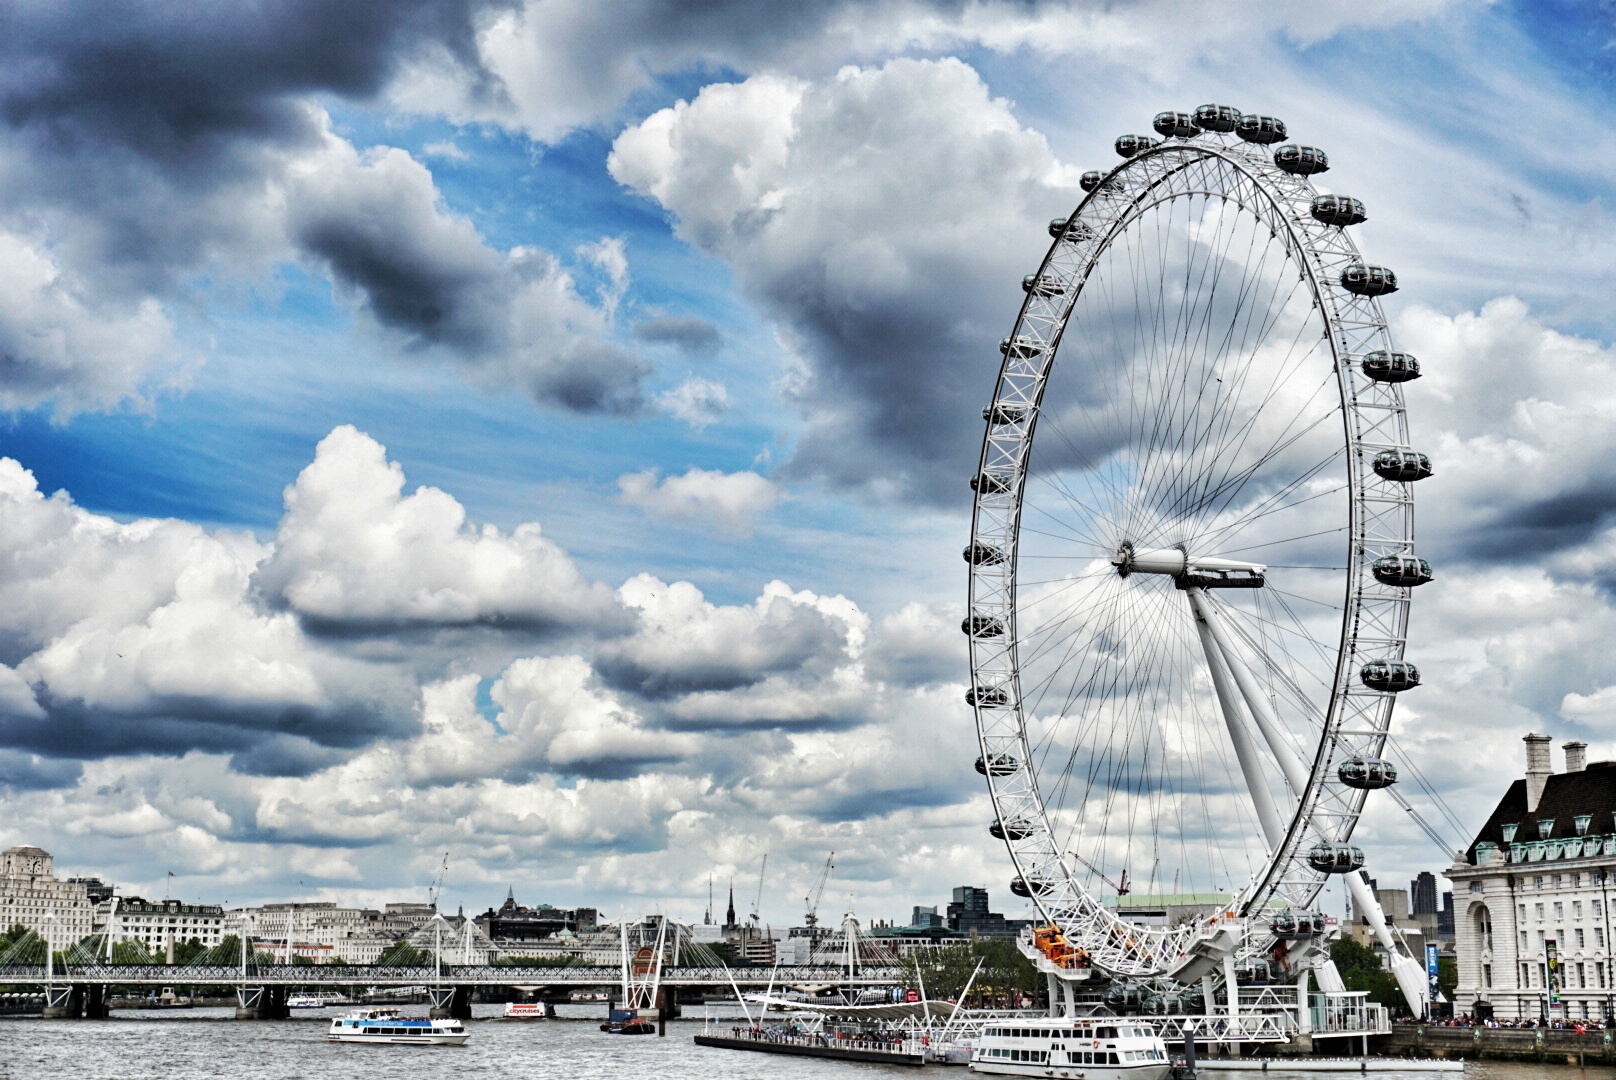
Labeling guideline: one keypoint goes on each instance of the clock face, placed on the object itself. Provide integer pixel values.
(35, 864)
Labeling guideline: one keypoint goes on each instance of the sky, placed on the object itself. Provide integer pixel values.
(536, 430)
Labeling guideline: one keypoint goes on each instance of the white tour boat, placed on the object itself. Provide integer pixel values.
(387, 1026)
(1099, 1048)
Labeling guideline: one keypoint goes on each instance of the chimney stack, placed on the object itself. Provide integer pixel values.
(1539, 767)
(1576, 756)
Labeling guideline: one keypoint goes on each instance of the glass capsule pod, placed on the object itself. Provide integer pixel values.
(1042, 285)
(1095, 179)
(1027, 889)
(982, 626)
(1328, 858)
(1301, 160)
(1383, 366)
(1175, 125)
(1192, 1000)
(997, 765)
(1255, 969)
(1019, 348)
(1367, 774)
(1296, 924)
(1389, 676)
(1405, 466)
(987, 696)
(1403, 571)
(1260, 129)
(1337, 210)
(1129, 145)
(1071, 230)
(1124, 997)
(1014, 829)
(1000, 413)
(1221, 118)
(994, 484)
(980, 554)
(1361, 279)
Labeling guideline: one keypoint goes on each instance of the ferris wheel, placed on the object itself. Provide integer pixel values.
(1189, 592)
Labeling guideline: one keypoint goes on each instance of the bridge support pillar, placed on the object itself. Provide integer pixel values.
(261, 1003)
(95, 1001)
(451, 1003)
(64, 1002)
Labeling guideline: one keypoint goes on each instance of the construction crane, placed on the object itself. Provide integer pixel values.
(757, 902)
(1121, 887)
(811, 901)
(435, 890)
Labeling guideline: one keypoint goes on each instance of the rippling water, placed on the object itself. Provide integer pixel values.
(206, 1043)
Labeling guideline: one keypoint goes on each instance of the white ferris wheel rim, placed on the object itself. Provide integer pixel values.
(1379, 522)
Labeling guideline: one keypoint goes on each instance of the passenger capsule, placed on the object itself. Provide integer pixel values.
(1328, 858)
(980, 554)
(1193, 1000)
(1260, 129)
(1256, 970)
(1404, 571)
(1036, 285)
(1389, 676)
(1020, 348)
(982, 626)
(1129, 145)
(998, 413)
(1221, 118)
(1367, 774)
(1013, 829)
(1027, 889)
(1405, 466)
(1094, 179)
(1071, 230)
(1125, 997)
(997, 765)
(1295, 924)
(1337, 210)
(1383, 366)
(1175, 125)
(1364, 280)
(987, 696)
(1301, 160)
(994, 484)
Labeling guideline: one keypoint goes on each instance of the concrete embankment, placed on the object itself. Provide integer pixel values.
(1593, 1047)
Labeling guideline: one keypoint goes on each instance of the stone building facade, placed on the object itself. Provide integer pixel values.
(1532, 893)
(30, 895)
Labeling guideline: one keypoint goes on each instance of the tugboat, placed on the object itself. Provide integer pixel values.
(628, 1022)
(379, 1025)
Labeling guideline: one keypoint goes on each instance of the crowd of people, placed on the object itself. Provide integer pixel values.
(1465, 1020)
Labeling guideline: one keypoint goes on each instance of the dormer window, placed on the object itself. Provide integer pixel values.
(1583, 821)
(1545, 828)
(1509, 833)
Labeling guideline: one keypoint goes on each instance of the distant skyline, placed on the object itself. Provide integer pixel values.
(537, 430)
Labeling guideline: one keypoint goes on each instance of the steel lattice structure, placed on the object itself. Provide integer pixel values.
(1196, 423)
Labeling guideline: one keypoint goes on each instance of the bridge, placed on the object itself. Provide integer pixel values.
(82, 990)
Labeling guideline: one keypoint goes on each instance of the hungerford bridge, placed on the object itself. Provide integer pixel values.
(653, 962)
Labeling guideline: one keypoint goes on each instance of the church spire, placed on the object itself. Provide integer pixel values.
(729, 916)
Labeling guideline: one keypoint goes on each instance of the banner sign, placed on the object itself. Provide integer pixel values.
(1430, 972)
(1552, 951)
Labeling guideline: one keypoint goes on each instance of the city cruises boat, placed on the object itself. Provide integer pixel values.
(379, 1025)
(1097, 1048)
(529, 1010)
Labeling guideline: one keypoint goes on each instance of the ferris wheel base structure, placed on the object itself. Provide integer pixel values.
(1291, 1013)
(1189, 595)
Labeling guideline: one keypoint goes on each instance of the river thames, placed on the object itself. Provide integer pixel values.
(205, 1044)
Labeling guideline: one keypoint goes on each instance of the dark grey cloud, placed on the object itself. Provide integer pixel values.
(686, 332)
(22, 772)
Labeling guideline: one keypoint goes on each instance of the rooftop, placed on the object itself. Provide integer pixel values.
(1591, 791)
